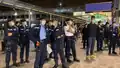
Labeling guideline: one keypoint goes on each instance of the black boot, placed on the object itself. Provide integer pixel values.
(65, 66)
(115, 53)
(27, 61)
(21, 61)
(69, 61)
(76, 60)
(55, 66)
(16, 64)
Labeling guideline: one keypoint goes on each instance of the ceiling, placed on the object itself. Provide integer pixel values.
(54, 3)
(66, 3)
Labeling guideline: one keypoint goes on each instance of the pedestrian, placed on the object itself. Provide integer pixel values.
(92, 31)
(70, 38)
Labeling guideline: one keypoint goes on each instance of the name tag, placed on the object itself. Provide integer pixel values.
(114, 34)
(36, 27)
(22, 29)
(57, 29)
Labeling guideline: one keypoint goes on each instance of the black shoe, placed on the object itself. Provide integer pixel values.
(76, 60)
(69, 61)
(22, 62)
(47, 59)
(64, 66)
(101, 49)
(115, 53)
(15, 64)
(7, 67)
(27, 61)
(109, 53)
(70, 54)
(55, 66)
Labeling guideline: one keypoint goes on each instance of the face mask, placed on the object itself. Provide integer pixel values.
(11, 23)
(43, 22)
(93, 21)
(24, 23)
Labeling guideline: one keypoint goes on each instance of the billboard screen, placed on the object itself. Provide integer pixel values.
(94, 7)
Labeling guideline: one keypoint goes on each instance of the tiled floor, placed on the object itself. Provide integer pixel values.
(102, 60)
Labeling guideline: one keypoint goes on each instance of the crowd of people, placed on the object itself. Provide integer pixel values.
(62, 40)
(61, 37)
(107, 34)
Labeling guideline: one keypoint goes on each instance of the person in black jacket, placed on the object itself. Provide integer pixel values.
(106, 34)
(113, 35)
(84, 34)
(11, 38)
(92, 32)
(100, 36)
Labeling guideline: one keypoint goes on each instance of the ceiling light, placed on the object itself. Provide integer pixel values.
(15, 13)
(30, 13)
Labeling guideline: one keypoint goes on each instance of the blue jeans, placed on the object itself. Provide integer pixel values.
(90, 46)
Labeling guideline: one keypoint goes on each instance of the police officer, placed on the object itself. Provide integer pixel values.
(41, 40)
(11, 37)
(113, 38)
(70, 37)
(24, 41)
(100, 36)
(58, 45)
(34, 30)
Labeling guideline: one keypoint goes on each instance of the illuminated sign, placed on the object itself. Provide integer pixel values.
(106, 6)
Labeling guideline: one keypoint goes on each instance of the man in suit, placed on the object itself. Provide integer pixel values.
(41, 44)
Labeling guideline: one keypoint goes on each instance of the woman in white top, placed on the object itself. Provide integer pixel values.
(70, 41)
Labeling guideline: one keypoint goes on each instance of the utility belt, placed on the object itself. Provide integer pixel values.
(61, 36)
(41, 41)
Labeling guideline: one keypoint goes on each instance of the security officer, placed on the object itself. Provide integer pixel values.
(100, 36)
(40, 38)
(70, 37)
(24, 41)
(58, 45)
(11, 37)
(35, 32)
(113, 38)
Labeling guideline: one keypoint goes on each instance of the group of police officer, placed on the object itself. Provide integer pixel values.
(41, 34)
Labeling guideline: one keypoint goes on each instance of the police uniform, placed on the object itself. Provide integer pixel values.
(11, 37)
(100, 37)
(58, 46)
(113, 39)
(35, 33)
(24, 42)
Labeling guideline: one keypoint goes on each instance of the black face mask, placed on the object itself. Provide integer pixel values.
(52, 26)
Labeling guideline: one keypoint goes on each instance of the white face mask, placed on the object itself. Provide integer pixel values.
(11, 23)
(24, 23)
(43, 22)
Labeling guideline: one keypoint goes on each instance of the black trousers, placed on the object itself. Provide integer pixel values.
(85, 43)
(112, 45)
(70, 46)
(24, 48)
(58, 49)
(11, 48)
